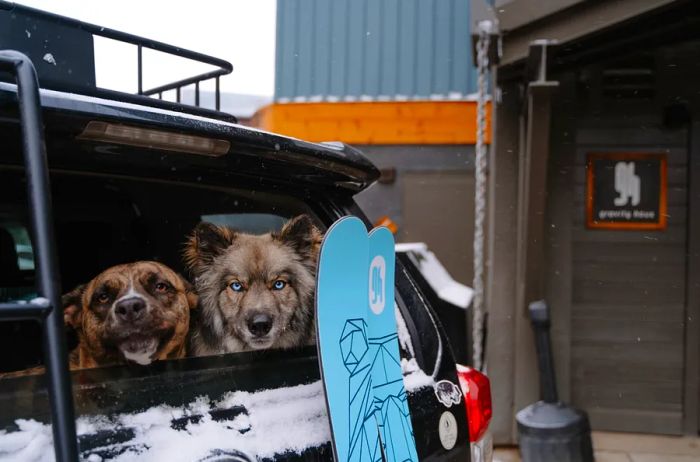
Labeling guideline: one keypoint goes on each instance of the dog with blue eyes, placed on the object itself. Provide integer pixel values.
(255, 291)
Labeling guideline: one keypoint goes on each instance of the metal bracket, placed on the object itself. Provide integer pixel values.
(495, 43)
(538, 61)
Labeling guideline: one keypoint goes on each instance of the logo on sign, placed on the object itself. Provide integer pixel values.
(377, 283)
(627, 184)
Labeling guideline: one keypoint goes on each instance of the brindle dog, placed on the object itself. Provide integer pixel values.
(137, 312)
(256, 291)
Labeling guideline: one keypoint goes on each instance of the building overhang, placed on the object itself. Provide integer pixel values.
(572, 25)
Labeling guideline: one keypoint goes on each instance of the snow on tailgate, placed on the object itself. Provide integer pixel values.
(277, 421)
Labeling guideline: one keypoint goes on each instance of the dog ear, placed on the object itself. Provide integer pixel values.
(72, 304)
(204, 244)
(304, 237)
(190, 293)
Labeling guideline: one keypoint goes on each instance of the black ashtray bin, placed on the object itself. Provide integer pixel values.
(549, 430)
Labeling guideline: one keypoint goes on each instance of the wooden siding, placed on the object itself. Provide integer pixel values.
(628, 296)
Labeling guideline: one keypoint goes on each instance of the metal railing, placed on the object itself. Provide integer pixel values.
(222, 67)
(46, 308)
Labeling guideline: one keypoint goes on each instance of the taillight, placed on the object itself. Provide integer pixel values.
(476, 389)
(154, 139)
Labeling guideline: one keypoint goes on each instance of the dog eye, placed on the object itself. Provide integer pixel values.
(279, 284)
(161, 287)
(236, 286)
(102, 298)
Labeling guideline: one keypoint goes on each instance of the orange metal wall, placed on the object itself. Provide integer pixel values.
(377, 122)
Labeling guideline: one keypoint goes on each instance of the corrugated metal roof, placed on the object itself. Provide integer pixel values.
(359, 50)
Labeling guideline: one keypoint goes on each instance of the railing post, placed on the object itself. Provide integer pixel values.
(140, 68)
(218, 97)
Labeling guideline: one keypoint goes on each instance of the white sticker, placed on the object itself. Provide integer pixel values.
(448, 393)
(377, 284)
(447, 429)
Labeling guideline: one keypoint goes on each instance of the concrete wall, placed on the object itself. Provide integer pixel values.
(441, 175)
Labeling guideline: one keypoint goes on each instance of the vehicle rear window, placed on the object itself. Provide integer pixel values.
(105, 221)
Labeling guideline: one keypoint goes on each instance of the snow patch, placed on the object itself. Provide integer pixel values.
(437, 276)
(402, 331)
(277, 421)
(41, 301)
(414, 377)
(48, 57)
(33, 442)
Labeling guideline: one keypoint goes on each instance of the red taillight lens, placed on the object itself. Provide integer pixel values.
(476, 389)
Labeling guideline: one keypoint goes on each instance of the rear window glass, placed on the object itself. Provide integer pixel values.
(103, 222)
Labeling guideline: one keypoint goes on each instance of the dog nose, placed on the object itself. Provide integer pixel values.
(131, 309)
(259, 324)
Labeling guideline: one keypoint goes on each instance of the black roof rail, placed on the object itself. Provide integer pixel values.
(143, 96)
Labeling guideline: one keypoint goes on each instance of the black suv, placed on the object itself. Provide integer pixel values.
(125, 177)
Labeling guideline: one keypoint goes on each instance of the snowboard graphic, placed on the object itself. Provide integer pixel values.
(358, 346)
(390, 400)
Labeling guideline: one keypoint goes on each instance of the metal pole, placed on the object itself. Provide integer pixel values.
(37, 171)
(140, 68)
(218, 95)
(539, 316)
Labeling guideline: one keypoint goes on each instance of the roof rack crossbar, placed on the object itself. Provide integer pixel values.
(223, 67)
(48, 280)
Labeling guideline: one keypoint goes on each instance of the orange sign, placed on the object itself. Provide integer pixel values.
(626, 191)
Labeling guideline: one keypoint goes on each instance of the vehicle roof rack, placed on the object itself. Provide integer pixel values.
(62, 50)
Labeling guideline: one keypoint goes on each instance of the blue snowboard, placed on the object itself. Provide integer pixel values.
(349, 358)
(390, 400)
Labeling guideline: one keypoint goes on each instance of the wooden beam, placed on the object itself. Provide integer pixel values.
(691, 384)
(502, 244)
(531, 272)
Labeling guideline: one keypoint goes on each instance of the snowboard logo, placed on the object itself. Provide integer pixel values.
(377, 284)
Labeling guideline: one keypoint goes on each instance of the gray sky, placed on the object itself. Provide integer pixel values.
(239, 31)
